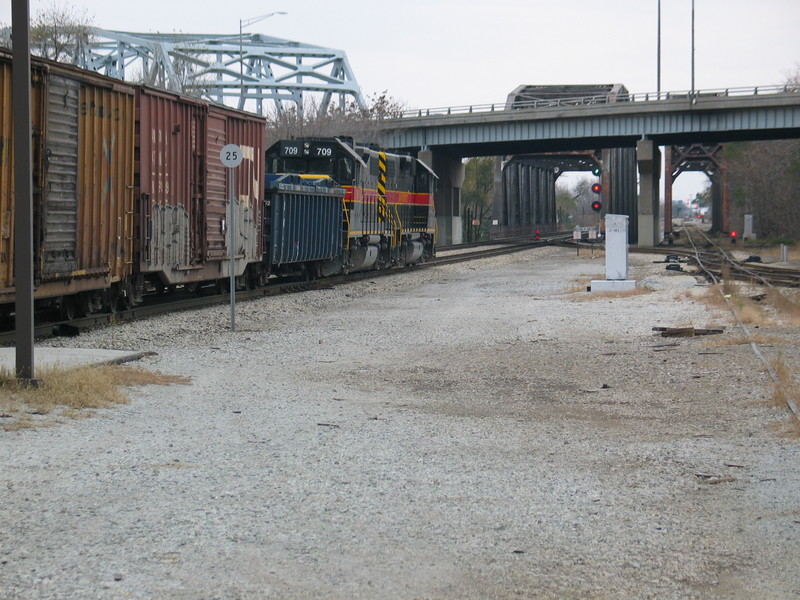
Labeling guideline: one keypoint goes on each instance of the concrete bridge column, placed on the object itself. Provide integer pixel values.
(648, 159)
(447, 197)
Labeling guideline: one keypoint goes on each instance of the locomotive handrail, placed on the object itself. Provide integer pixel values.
(602, 99)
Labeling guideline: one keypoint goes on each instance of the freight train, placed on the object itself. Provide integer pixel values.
(130, 196)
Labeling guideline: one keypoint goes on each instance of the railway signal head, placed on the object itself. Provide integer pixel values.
(733, 237)
(597, 205)
(538, 234)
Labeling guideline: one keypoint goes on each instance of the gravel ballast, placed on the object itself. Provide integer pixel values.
(481, 430)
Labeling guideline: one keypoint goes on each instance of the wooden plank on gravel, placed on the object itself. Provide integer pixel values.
(685, 331)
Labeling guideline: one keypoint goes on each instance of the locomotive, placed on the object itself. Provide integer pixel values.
(381, 216)
(130, 196)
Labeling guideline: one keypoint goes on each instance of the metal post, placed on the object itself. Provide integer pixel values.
(658, 55)
(692, 50)
(241, 68)
(242, 24)
(23, 188)
(232, 247)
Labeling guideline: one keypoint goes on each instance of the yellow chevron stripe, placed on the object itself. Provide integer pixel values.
(383, 209)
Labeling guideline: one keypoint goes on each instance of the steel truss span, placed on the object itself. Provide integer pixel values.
(249, 71)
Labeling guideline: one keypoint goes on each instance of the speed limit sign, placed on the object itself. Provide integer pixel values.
(231, 155)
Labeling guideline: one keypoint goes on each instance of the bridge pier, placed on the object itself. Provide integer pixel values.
(648, 159)
(447, 196)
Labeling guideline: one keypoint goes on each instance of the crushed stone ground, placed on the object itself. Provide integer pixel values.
(482, 430)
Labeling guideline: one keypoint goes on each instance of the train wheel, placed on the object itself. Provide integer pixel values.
(6, 319)
(306, 274)
(126, 301)
(85, 304)
(111, 299)
(251, 279)
(68, 308)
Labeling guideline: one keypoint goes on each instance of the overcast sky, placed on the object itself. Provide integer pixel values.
(433, 53)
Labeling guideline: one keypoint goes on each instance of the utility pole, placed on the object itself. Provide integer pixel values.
(242, 24)
(23, 188)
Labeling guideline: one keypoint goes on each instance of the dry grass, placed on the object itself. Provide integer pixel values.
(750, 312)
(584, 283)
(712, 298)
(787, 309)
(771, 308)
(774, 307)
(760, 339)
(70, 393)
(637, 291)
(774, 252)
(786, 389)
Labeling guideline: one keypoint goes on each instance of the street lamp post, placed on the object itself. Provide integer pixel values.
(242, 24)
(658, 55)
(692, 50)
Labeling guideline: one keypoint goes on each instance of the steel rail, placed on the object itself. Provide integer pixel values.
(164, 304)
(776, 380)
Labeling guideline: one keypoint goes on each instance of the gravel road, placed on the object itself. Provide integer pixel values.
(483, 430)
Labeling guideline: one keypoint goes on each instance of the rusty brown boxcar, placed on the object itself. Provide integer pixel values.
(82, 186)
(182, 190)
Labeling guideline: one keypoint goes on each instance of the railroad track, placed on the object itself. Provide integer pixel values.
(179, 301)
(717, 263)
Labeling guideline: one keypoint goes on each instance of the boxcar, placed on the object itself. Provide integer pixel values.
(182, 190)
(82, 186)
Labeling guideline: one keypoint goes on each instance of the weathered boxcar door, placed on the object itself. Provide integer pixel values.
(105, 180)
(216, 189)
(197, 208)
(170, 184)
(59, 207)
(7, 166)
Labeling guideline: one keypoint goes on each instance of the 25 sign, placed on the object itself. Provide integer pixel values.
(231, 155)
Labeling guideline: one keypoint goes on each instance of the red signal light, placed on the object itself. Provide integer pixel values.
(538, 234)
(597, 188)
(597, 205)
(733, 234)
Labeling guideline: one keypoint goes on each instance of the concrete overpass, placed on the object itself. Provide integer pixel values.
(644, 122)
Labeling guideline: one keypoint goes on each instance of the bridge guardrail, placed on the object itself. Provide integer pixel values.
(602, 99)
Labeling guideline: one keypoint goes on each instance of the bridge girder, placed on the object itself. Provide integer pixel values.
(705, 158)
(250, 71)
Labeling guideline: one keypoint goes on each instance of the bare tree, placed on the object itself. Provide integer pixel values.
(476, 197)
(566, 206)
(583, 196)
(59, 32)
(365, 125)
(765, 182)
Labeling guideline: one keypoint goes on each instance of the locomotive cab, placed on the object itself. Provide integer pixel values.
(322, 158)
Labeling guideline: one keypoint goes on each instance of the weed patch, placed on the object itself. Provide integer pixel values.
(785, 390)
(70, 393)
